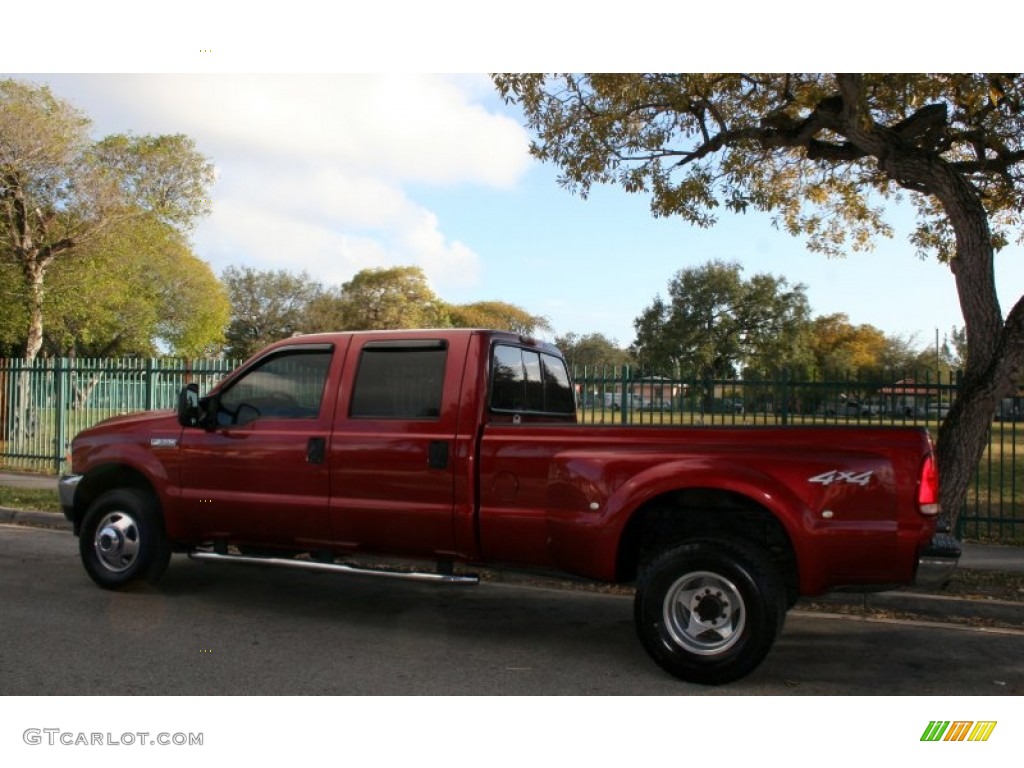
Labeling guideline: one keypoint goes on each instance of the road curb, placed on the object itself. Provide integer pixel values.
(9, 516)
(927, 605)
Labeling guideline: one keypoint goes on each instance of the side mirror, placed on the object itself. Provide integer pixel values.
(188, 406)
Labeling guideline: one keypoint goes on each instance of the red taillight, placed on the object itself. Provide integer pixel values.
(928, 487)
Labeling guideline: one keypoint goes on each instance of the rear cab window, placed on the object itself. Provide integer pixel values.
(529, 385)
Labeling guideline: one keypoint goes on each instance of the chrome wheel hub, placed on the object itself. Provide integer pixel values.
(116, 542)
(704, 613)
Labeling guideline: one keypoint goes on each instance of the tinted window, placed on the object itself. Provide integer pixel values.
(399, 382)
(559, 396)
(529, 381)
(289, 385)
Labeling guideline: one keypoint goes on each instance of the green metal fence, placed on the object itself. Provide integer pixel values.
(43, 405)
(995, 504)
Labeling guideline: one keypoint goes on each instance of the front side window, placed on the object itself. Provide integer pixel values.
(527, 381)
(288, 385)
(400, 381)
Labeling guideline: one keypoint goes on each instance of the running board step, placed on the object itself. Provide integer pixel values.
(316, 565)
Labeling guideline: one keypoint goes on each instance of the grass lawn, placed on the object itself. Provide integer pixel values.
(29, 498)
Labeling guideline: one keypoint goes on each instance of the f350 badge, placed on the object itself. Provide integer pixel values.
(839, 476)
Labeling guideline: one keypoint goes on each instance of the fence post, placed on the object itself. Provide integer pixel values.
(150, 368)
(625, 401)
(59, 416)
(785, 396)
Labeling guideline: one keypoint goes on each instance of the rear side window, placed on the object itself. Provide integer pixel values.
(527, 381)
(400, 381)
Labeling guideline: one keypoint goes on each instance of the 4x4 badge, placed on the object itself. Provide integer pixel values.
(838, 476)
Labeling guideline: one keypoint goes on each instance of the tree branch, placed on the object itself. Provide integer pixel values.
(999, 164)
(839, 153)
(926, 120)
(48, 253)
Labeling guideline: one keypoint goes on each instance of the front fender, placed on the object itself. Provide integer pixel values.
(116, 466)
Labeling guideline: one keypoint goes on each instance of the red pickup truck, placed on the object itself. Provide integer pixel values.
(461, 446)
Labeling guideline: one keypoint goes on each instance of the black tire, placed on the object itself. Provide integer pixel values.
(708, 611)
(123, 541)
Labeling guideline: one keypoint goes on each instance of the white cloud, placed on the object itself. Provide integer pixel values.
(314, 170)
(405, 128)
(277, 238)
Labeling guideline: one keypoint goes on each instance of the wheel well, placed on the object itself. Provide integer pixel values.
(704, 513)
(103, 479)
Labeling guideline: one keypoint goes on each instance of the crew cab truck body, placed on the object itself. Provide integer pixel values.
(461, 446)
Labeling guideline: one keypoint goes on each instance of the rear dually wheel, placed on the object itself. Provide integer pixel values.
(708, 611)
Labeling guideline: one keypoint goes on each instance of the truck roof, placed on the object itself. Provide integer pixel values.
(419, 333)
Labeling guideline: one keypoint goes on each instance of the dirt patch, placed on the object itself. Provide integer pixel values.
(980, 585)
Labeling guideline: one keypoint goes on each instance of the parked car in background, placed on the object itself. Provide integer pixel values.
(656, 405)
(908, 411)
(727, 405)
(840, 408)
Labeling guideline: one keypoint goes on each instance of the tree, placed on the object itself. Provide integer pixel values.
(498, 315)
(194, 307)
(60, 190)
(954, 348)
(267, 306)
(385, 298)
(903, 353)
(715, 322)
(13, 310)
(840, 347)
(592, 350)
(821, 152)
(135, 289)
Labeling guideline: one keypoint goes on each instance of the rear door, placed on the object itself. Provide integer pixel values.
(528, 386)
(392, 454)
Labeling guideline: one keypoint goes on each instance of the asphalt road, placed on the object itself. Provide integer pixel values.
(231, 629)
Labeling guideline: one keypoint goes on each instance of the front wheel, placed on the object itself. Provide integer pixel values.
(709, 611)
(122, 541)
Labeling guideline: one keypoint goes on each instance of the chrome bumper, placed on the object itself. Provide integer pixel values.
(66, 487)
(937, 561)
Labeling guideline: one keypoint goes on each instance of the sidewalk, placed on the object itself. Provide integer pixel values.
(978, 557)
(28, 480)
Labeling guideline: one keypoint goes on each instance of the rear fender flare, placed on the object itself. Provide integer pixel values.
(792, 513)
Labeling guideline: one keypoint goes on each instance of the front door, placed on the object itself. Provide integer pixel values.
(260, 474)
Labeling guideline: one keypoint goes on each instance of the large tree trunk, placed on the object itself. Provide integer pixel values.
(23, 416)
(963, 435)
(994, 349)
(34, 281)
(963, 438)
